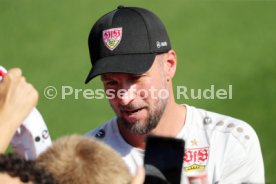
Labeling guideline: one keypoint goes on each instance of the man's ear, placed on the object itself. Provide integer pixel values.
(170, 64)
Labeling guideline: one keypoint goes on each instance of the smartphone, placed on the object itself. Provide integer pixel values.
(163, 160)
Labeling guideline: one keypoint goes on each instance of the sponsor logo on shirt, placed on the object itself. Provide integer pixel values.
(195, 158)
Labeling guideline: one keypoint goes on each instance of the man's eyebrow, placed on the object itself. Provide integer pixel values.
(104, 77)
(139, 75)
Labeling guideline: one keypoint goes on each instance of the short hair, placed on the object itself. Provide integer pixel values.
(27, 171)
(82, 160)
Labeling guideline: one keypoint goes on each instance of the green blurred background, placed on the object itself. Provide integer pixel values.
(218, 42)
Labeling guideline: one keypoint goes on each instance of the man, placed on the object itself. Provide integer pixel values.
(131, 51)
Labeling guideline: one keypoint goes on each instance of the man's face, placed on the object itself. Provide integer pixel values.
(137, 100)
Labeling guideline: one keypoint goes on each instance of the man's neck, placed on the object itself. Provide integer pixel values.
(170, 125)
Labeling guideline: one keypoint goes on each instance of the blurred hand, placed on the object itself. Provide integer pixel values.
(139, 178)
(17, 99)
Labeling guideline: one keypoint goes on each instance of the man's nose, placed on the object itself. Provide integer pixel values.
(127, 94)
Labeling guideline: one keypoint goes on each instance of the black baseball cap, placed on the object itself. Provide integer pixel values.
(126, 40)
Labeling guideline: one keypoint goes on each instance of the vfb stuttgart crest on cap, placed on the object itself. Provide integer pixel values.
(112, 37)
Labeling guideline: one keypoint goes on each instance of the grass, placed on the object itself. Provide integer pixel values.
(217, 42)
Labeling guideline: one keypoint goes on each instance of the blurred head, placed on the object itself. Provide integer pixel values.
(81, 160)
(17, 170)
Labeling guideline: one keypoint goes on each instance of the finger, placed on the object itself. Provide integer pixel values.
(23, 80)
(12, 75)
(16, 72)
(139, 178)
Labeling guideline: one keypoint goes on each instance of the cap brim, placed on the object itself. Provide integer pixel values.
(130, 64)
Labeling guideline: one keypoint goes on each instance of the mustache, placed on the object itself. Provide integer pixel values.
(130, 107)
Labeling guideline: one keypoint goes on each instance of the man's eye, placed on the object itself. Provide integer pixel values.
(110, 83)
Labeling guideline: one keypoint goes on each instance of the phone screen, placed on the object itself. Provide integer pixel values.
(163, 159)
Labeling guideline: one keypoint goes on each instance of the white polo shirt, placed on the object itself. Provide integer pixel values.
(227, 149)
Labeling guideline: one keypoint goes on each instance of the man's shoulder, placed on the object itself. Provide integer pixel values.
(110, 135)
(225, 126)
(106, 129)
(235, 148)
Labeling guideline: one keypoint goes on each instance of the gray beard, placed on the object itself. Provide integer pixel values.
(150, 123)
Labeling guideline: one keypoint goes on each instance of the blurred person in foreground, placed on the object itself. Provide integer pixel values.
(130, 50)
(17, 170)
(17, 99)
(79, 160)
